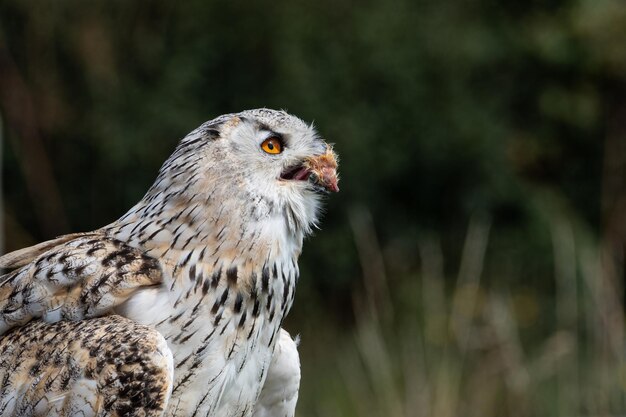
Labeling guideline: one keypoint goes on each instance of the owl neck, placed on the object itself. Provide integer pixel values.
(234, 231)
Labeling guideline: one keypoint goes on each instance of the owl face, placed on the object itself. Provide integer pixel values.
(269, 161)
(281, 152)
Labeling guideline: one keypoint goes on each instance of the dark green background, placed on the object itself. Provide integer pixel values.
(507, 119)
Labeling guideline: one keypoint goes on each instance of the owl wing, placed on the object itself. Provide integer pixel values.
(72, 277)
(106, 366)
(279, 394)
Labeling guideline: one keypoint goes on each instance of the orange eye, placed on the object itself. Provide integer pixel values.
(272, 145)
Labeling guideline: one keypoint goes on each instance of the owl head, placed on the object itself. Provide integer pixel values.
(256, 166)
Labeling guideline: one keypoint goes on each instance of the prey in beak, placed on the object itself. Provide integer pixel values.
(319, 170)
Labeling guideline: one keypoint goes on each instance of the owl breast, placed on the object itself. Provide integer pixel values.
(221, 333)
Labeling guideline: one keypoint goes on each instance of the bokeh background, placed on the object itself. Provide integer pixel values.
(473, 262)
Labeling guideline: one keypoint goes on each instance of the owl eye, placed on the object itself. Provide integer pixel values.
(272, 145)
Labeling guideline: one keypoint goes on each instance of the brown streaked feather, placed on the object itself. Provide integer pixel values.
(81, 278)
(107, 366)
(24, 256)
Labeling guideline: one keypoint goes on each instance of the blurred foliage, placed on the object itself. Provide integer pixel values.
(511, 113)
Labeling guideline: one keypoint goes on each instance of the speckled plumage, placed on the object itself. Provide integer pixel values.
(103, 366)
(195, 280)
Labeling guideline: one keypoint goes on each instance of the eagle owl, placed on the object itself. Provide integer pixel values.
(174, 309)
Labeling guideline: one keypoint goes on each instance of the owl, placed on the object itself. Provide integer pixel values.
(174, 309)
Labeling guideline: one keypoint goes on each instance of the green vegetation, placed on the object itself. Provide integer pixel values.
(473, 262)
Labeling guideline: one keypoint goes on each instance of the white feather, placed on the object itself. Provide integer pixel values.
(280, 392)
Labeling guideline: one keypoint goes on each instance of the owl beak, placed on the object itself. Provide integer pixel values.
(323, 169)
